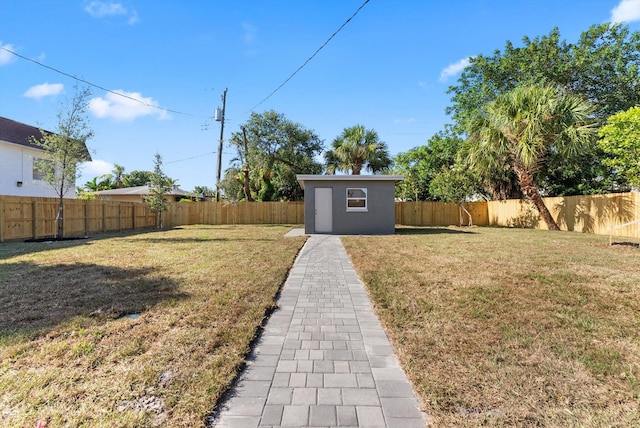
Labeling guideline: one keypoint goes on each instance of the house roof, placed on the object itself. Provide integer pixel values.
(139, 190)
(19, 133)
(302, 178)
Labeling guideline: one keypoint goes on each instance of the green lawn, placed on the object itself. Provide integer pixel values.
(497, 327)
(70, 358)
(510, 327)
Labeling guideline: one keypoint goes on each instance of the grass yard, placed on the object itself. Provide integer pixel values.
(68, 356)
(510, 327)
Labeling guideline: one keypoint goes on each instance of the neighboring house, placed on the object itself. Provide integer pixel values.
(18, 177)
(138, 194)
(349, 204)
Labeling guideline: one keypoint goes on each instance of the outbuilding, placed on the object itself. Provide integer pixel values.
(349, 204)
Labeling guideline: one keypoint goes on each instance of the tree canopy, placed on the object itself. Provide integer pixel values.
(276, 150)
(522, 126)
(64, 149)
(355, 149)
(421, 164)
(602, 66)
(159, 186)
(621, 141)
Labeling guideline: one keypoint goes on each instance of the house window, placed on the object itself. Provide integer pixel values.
(41, 167)
(357, 199)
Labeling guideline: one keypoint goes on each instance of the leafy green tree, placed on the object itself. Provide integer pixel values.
(455, 184)
(137, 178)
(605, 69)
(621, 140)
(204, 192)
(246, 168)
(603, 66)
(357, 148)
(64, 149)
(275, 151)
(160, 185)
(420, 164)
(522, 126)
(232, 184)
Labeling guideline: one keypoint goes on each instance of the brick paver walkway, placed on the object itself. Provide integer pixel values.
(323, 359)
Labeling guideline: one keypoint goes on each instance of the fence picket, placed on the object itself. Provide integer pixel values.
(24, 217)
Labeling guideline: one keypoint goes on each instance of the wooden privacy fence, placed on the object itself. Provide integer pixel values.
(32, 218)
(599, 214)
(184, 213)
(28, 218)
(429, 213)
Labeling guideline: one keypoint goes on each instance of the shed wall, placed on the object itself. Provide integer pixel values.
(379, 219)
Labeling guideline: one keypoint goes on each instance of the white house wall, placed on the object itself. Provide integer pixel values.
(16, 165)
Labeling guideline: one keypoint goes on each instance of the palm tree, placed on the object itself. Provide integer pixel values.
(521, 127)
(118, 176)
(92, 186)
(357, 148)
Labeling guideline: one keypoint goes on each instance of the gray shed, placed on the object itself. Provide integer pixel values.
(349, 204)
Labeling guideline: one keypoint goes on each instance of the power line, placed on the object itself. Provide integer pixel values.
(95, 85)
(312, 56)
(196, 157)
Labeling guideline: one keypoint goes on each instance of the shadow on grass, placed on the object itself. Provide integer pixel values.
(406, 230)
(178, 240)
(20, 247)
(37, 298)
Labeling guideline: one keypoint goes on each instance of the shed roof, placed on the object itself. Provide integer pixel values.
(20, 133)
(302, 178)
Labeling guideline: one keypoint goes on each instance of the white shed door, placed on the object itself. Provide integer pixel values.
(324, 209)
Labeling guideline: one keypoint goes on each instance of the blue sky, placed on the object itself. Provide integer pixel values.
(388, 69)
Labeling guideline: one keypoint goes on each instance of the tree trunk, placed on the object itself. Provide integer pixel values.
(462, 208)
(530, 190)
(60, 218)
(247, 189)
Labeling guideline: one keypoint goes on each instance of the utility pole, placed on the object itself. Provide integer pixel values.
(220, 118)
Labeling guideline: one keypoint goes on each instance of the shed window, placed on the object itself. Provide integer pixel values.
(357, 199)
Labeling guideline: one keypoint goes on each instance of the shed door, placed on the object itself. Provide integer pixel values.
(323, 209)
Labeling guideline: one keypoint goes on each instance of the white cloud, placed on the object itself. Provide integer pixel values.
(96, 168)
(133, 17)
(44, 90)
(125, 108)
(626, 11)
(100, 9)
(453, 69)
(6, 57)
(249, 32)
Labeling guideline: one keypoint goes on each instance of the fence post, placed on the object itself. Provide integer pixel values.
(104, 217)
(34, 219)
(1, 221)
(86, 217)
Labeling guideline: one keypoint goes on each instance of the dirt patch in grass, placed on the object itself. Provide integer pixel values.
(510, 327)
(69, 355)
